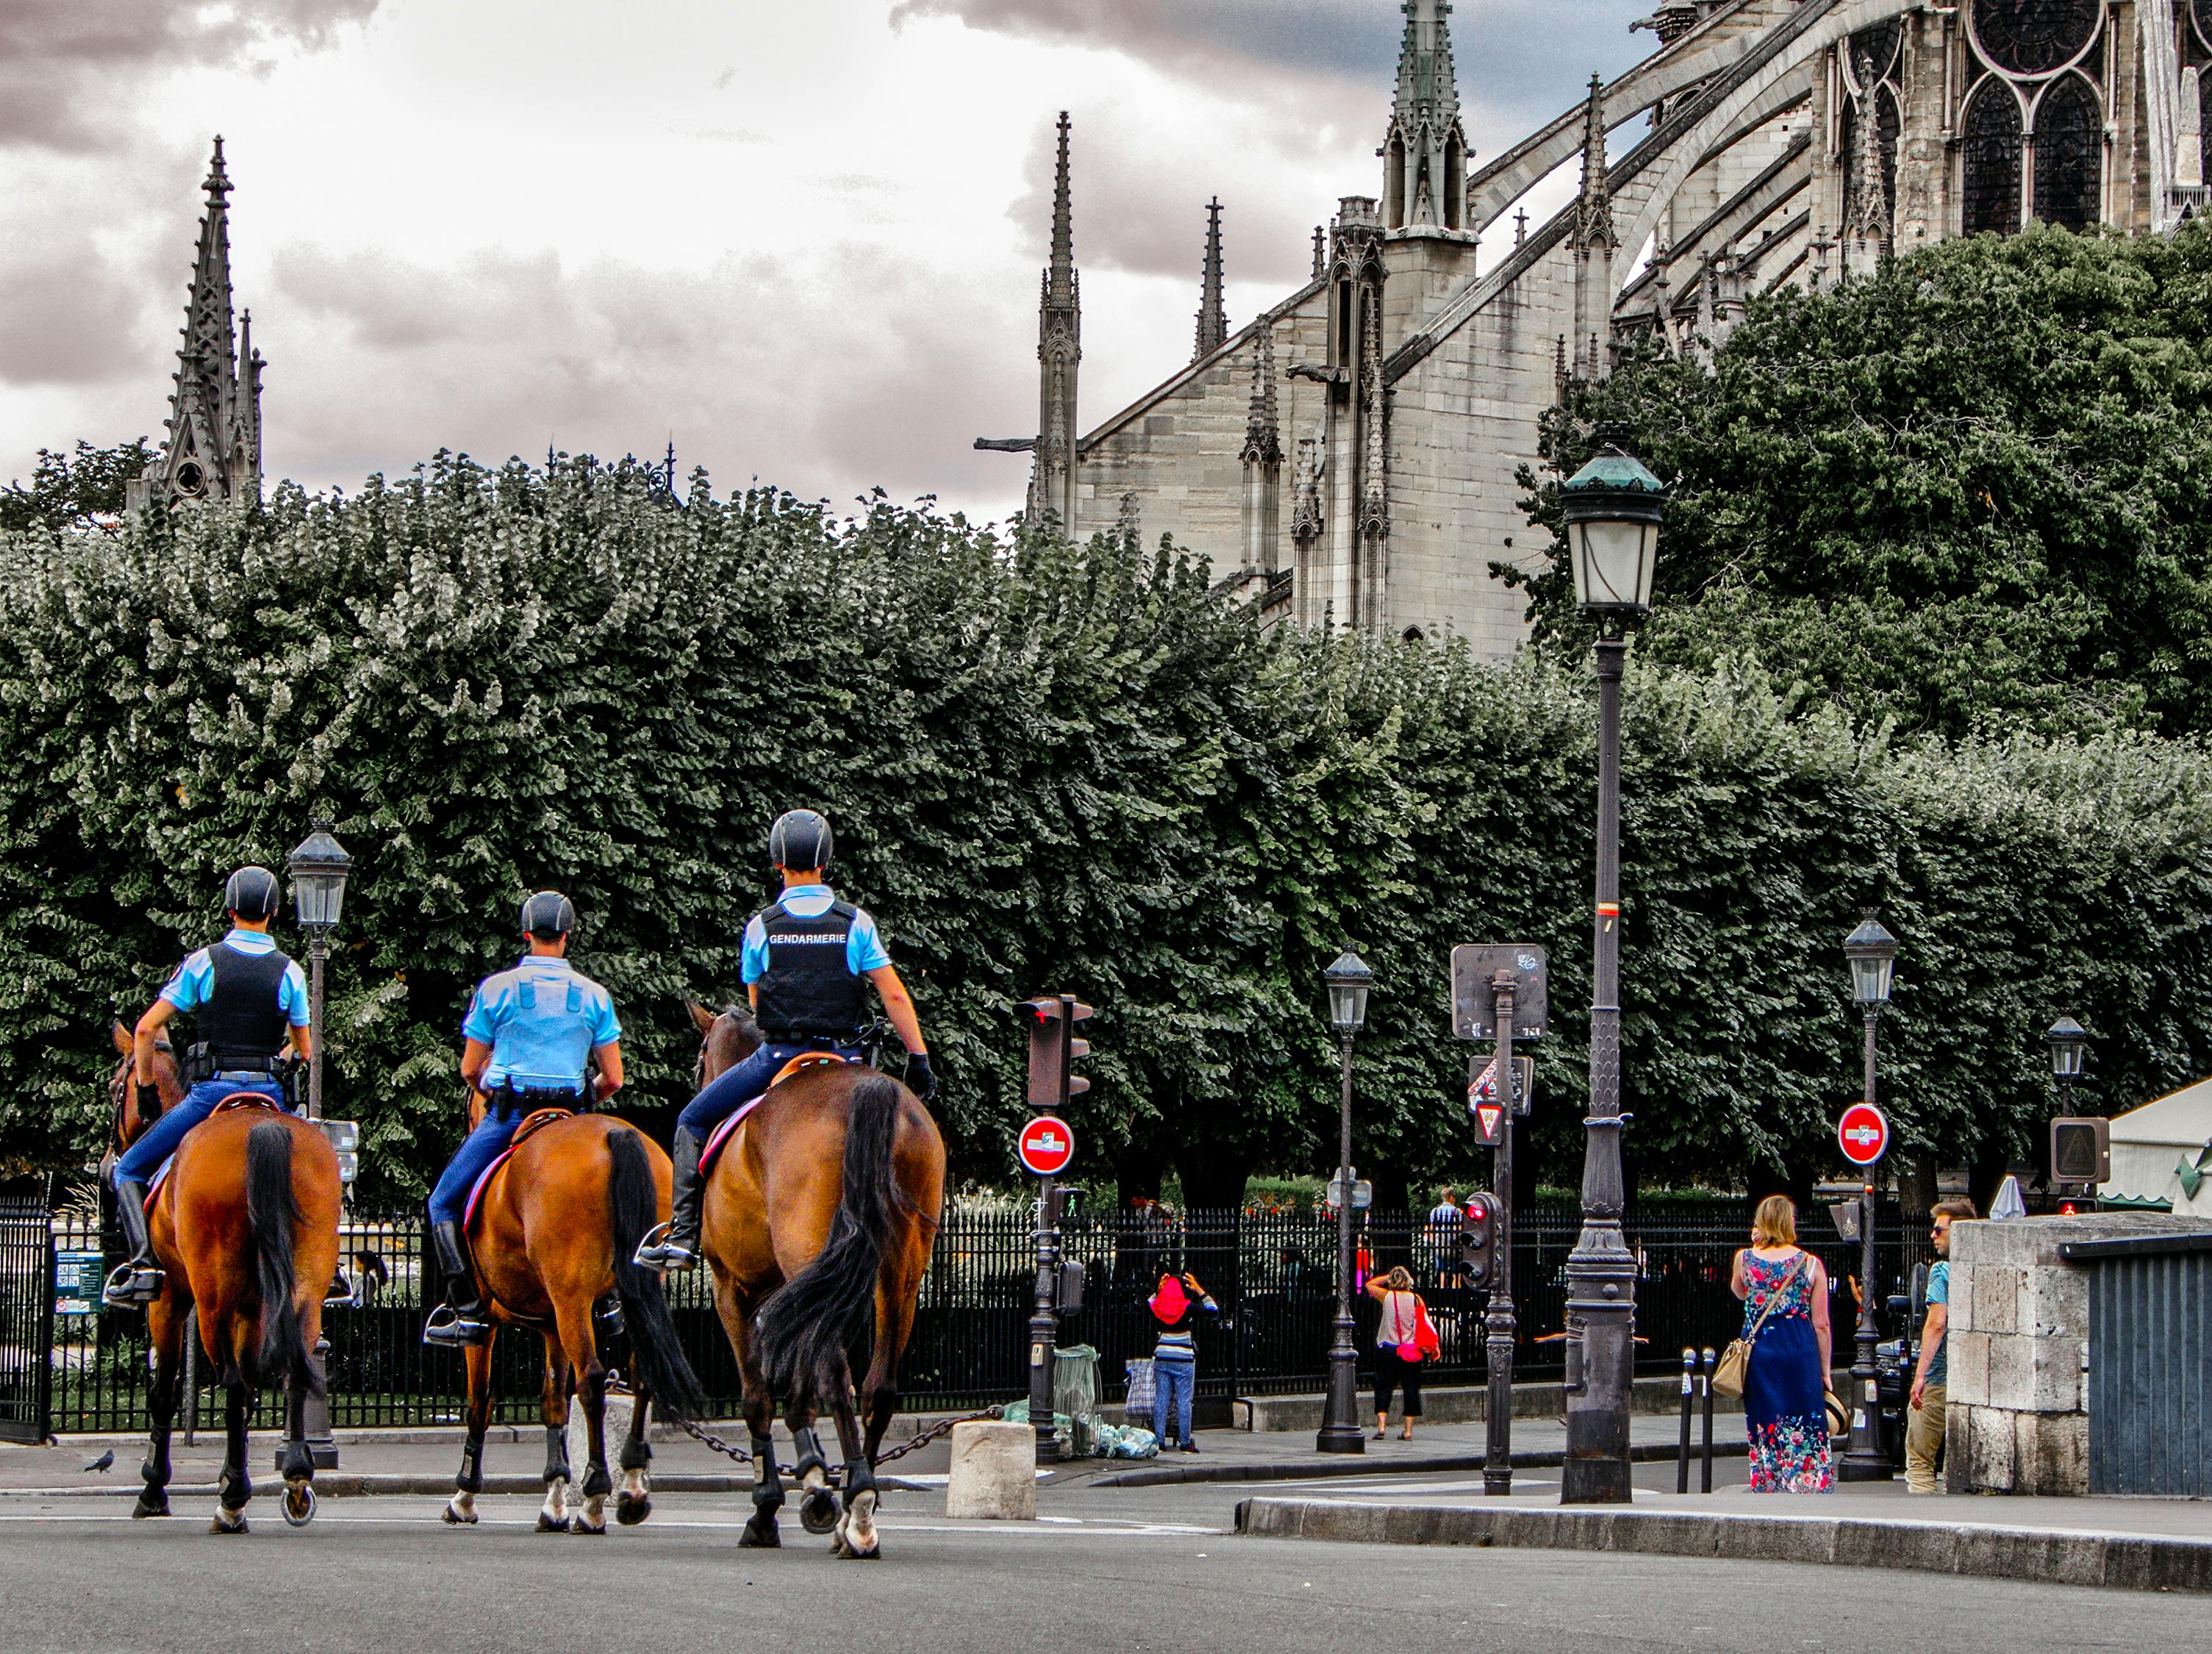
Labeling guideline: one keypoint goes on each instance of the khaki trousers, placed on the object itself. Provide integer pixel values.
(1923, 1439)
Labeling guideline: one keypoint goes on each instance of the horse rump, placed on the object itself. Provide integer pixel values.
(272, 1215)
(633, 1209)
(827, 1311)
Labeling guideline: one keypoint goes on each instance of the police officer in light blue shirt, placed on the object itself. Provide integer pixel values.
(248, 1002)
(528, 1039)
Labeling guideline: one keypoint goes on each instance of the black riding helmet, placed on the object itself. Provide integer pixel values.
(549, 914)
(799, 841)
(251, 893)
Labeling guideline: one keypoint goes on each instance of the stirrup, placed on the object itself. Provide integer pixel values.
(449, 1326)
(131, 1284)
(661, 1250)
(607, 1316)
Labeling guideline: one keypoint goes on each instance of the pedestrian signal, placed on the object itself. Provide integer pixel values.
(2081, 1150)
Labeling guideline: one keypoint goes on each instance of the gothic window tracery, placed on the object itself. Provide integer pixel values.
(1993, 136)
(2034, 37)
(2070, 143)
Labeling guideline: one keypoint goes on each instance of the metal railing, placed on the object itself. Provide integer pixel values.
(1271, 1274)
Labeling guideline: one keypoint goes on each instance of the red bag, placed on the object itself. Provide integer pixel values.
(1425, 1341)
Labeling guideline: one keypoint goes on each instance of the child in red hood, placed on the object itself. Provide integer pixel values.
(1175, 1358)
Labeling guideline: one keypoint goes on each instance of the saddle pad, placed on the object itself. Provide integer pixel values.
(154, 1183)
(720, 1135)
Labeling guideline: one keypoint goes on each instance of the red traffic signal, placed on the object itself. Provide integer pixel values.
(1053, 1048)
(1477, 1242)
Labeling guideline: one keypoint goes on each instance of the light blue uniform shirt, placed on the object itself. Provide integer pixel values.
(194, 983)
(864, 944)
(542, 1020)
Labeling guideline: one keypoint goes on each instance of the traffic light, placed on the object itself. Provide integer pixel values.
(1054, 1049)
(2081, 1149)
(1477, 1242)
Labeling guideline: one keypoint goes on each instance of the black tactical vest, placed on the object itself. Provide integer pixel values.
(242, 1023)
(806, 992)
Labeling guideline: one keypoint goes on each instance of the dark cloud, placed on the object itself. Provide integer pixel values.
(67, 66)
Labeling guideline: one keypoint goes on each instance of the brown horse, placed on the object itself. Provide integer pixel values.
(124, 1125)
(557, 1230)
(246, 1227)
(818, 1221)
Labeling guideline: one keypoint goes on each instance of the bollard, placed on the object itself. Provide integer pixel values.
(1682, 1453)
(993, 1472)
(1708, 1362)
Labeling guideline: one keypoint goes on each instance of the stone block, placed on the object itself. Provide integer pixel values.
(2035, 1374)
(1966, 1358)
(1996, 1301)
(993, 1472)
(2051, 1453)
(1958, 1457)
(1960, 1309)
(2055, 1303)
(1992, 1443)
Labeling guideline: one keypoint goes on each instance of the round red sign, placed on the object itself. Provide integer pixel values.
(1046, 1146)
(1864, 1133)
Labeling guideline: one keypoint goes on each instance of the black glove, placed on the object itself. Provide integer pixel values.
(149, 1104)
(920, 1078)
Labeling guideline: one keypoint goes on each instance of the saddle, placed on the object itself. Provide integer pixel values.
(721, 1134)
(235, 1100)
(533, 1122)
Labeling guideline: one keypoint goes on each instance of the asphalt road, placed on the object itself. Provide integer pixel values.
(1117, 1572)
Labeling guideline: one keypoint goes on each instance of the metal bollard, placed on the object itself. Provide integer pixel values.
(1682, 1452)
(1708, 1361)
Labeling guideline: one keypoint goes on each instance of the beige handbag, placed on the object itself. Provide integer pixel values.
(1735, 1359)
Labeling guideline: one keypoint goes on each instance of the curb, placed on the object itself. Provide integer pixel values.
(349, 1484)
(1360, 1465)
(2049, 1556)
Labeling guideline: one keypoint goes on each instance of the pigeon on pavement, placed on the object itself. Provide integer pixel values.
(105, 1462)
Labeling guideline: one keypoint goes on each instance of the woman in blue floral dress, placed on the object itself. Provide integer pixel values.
(1785, 1382)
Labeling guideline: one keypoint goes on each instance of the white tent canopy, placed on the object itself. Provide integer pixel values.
(2150, 1144)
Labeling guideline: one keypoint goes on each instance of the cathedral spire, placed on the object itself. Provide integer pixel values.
(1059, 350)
(1595, 242)
(1213, 320)
(214, 447)
(1593, 213)
(1869, 194)
(1263, 441)
(1425, 154)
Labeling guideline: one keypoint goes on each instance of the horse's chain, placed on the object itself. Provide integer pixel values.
(920, 1439)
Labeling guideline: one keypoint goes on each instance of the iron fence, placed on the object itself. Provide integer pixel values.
(1273, 1274)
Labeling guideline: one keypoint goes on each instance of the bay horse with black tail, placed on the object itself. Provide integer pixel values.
(245, 1227)
(820, 1213)
(555, 1229)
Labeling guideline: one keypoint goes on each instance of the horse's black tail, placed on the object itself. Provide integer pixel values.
(828, 1310)
(272, 1215)
(633, 1208)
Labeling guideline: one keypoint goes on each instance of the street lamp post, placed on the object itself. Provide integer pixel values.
(1612, 508)
(1872, 953)
(318, 871)
(1348, 981)
(2068, 1039)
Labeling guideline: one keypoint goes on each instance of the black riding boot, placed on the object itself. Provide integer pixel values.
(139, 1278)
(460, 1320)
(675, 1245)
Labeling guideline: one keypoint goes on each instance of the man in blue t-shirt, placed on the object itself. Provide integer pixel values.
(248, 1003)
(527, 1040)
(1923, 1428)
(808, 960)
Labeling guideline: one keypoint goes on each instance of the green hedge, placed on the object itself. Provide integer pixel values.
(1050, 768)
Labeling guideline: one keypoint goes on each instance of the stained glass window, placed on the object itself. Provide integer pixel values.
(2069, 142)
(2202, 10)
(1876, 48)
(2034, 37)
(1993, 133)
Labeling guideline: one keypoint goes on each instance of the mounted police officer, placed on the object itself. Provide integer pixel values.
(528, 1038)
(248, 1003)
(808, 959)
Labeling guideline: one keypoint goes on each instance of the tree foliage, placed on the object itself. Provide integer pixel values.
(1051, 768)
(83, 490)
(1966, 492)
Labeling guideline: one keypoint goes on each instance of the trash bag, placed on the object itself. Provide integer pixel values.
(1075, 1395)
(1126, 1442)
(1137, 1409)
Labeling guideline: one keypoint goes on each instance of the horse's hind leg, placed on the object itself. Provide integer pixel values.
(576, 1332)
(461, 1509)
(553, 1408)
(855, 1529)
(634, 1497)
(165, 1321)
(736, 1313)
(299, 1464)
(234, 1487)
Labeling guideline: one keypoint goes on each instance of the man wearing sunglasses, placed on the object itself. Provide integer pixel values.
(1923, 1428)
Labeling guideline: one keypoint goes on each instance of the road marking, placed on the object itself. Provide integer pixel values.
(1081, 1528)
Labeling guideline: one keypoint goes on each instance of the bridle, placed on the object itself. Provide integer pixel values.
(118, 1094)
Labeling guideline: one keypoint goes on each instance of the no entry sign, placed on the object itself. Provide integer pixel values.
(1046, 1146)
(1864, 1133)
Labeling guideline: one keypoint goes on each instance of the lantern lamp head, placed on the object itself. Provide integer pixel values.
(1612, 507)
(319, 870)
(1872, 952)
(1348, 981)
(2068, 1040)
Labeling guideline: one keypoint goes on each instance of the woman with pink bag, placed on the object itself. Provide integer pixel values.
(1402, 1337)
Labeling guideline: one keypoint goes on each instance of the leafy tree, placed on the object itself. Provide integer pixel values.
(1964, 493)
(85, 491)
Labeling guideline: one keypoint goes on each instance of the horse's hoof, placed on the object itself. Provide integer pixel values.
(151, 1504)
(758, 1537)
(549, 1524)
(578, 1525)
(234, 1525)
(459, 1518)
(817, 1511)
(631, 1511)
(302, 1495)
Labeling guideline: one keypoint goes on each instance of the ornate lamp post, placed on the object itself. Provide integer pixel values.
(319, 870)
(1871, 951)
(1348, 981)
(2068, 1039)
(1613, 512)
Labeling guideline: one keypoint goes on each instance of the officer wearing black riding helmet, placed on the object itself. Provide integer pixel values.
(808, 957)
(248, 1002)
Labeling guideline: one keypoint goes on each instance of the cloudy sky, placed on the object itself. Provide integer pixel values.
(799, 237)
